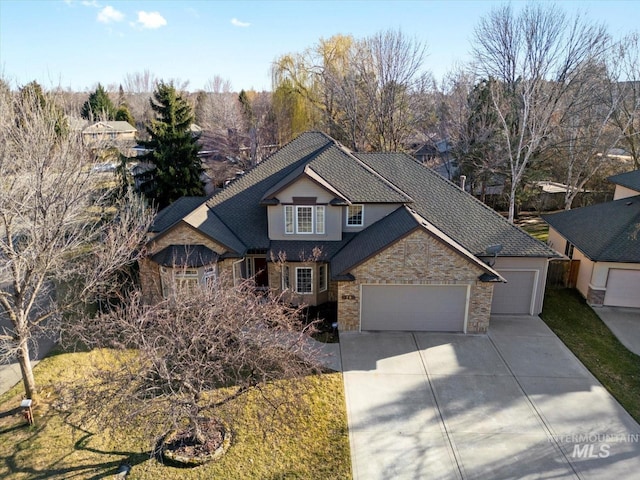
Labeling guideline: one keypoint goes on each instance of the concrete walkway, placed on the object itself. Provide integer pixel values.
(624, 323)
(513, 404)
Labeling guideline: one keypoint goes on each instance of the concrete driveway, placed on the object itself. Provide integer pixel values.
(512, 404)
(624, 323)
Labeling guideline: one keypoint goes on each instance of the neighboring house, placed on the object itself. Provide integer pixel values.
(439, 157)
(605, 239)
(394, 244)
(109, 133)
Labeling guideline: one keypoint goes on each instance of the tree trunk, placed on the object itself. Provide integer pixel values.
(197, 431)
(512, 203)
(27, 371)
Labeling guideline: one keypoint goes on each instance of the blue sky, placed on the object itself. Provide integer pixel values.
(76, 43)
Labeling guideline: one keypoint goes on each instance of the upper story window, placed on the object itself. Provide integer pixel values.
(304, 219)
(355, 215)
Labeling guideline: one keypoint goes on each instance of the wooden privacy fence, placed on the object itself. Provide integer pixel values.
(563, 273)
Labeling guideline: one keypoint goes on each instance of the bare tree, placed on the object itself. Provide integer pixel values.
(63, 240)
(624, 93)
(187, 357)
(534, 57)
(390, 72)
(362, 92)
(586, 130)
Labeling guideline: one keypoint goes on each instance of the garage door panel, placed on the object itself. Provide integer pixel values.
(623, 288)
(515, 296)
(414, 307)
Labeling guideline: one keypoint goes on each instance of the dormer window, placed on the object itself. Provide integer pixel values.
(355, 215)
(304, 219)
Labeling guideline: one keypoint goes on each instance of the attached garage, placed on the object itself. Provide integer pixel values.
(436, 308)
(517, 295)
(623, 288)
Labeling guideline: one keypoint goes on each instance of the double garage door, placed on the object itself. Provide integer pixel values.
(441, 308)
(623, 288)
(436, 308)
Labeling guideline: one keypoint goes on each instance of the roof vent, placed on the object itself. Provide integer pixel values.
(629, 204)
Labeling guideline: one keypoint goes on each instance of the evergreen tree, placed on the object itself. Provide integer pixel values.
(99, 106)
(124, 114)
(33, 99)
(174, 148)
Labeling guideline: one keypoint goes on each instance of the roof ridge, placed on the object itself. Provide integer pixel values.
(378, 174)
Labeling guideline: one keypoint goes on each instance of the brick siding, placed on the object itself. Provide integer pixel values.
(418, 259)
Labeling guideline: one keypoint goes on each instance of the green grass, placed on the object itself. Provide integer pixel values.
(535, 226)
(313, 444)
(578, 326)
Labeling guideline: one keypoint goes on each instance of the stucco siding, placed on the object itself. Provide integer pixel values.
(518, 266)
(585, 272)
(624, 192)
(556, 241)
(372, 212)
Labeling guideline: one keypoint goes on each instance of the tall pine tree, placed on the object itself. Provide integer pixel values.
(99, 106)
(173, 148)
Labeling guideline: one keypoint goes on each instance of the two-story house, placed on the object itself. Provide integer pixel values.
(604, 241)
(394, 244)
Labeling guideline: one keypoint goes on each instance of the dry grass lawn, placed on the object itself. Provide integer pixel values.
(313, 445)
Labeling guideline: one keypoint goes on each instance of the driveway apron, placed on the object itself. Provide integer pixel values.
(512, 404)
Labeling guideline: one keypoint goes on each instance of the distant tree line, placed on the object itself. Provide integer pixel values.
(546, 97)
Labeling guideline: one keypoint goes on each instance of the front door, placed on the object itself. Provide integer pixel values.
(262, 275)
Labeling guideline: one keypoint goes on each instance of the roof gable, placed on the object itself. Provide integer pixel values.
(388, 231)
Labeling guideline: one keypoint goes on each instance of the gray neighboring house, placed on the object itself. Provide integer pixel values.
(395, 245)
(605, 240)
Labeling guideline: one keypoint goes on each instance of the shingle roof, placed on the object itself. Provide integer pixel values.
(629, 179)
(185, 256)
(115, 126)
(175, 212)
(355, 180)
(236, 218)
(390, 229)
(373, 239)
(303, 250)
(453, 211)
(238, 205)
(605, 232)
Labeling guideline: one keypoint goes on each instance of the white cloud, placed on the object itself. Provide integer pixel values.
(237, 23)
(109, 14)
(92, 3)
(151, 20)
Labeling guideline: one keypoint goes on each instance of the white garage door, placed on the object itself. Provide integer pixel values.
(515, 296)
(623, 288)
(436, 308)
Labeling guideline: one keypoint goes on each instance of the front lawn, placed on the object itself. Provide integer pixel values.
(577, 325)
(313, 444)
